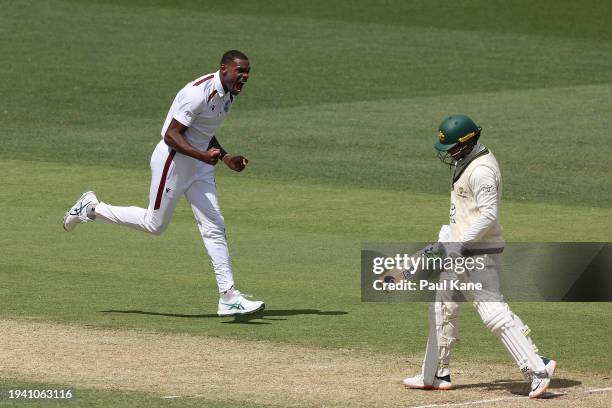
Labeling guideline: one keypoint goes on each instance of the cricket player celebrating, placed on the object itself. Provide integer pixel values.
(183, 163)
(474, 229)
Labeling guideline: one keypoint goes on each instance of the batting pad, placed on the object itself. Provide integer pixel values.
(501, 321)
(445, 234)
(443, 334)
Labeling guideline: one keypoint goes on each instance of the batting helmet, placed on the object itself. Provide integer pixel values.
(454, 130)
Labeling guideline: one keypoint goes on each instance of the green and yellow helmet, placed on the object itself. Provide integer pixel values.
(454, 130)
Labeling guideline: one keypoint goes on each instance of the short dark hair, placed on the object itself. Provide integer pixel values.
(231, 55)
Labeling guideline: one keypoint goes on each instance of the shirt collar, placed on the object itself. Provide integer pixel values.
(218, 85)
(462, 164)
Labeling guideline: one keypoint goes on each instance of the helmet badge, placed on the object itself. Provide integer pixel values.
(441, 137)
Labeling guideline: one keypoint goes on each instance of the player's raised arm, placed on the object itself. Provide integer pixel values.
(175, 138)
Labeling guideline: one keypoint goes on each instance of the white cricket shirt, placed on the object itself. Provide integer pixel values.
(475, 201)
(201, 105)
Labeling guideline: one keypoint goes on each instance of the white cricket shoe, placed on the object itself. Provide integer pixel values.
(540, 382)
(439, 383)
(234, 303)
(78, 213)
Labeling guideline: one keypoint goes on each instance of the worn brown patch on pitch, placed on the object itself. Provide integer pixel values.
(261, 372)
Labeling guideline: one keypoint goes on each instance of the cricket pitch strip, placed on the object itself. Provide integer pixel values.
(187, 366)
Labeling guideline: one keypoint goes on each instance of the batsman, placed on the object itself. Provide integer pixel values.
(474, 230)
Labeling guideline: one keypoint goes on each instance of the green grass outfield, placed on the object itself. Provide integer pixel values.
(338, 120)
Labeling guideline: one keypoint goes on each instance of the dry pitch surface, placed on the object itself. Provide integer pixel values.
(183, 366)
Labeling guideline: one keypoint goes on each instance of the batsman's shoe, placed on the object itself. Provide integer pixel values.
(236, 304)
(78, 213)
(540, 382)
(439, 383)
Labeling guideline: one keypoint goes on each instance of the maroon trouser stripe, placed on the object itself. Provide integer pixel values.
(162, 182)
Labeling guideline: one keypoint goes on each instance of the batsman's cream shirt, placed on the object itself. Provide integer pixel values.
(475, 201)
(202, 106)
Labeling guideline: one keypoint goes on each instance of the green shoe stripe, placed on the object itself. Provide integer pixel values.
(232, 306)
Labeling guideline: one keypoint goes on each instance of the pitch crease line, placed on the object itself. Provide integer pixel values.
(458, 404)
(598, 390)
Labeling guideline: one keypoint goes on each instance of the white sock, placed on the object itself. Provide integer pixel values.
(228, 295)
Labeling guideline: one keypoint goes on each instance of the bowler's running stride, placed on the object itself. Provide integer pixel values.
(183, 163)
(474, 230)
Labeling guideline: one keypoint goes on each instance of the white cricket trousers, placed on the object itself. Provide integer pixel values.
(172, 175)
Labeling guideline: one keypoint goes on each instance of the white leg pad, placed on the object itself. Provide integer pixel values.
(526, 331)
(443, 334)
(505, 325)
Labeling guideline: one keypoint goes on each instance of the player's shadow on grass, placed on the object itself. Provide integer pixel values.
(267, 314)
(521, 387)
